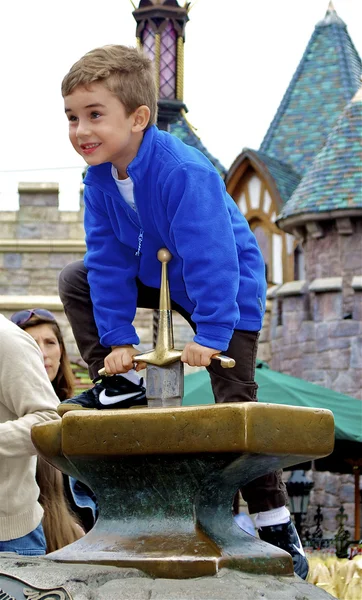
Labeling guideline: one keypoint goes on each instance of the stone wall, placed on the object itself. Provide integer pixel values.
(307, 336)
(310, 338)
(331, 491)
(335, 249)
(37, 241)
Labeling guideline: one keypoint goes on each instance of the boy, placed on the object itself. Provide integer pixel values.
(145, 190)
(26, 398)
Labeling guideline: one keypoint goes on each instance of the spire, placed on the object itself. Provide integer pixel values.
(331, 17)
(334, 181)
(325, 80)
(161, 33)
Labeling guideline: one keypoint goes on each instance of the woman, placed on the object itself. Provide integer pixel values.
(26, 398)
(41, 324)
(61, 526)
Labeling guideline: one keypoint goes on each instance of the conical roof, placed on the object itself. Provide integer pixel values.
(185, 132)
(326, 79)
(334, 181)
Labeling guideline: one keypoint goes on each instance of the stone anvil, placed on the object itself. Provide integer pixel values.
(165, 480)
(165, 477)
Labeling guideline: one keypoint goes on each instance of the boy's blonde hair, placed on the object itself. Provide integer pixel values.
(125, 71)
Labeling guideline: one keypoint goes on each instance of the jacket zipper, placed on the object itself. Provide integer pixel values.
(140, 235)
(140, 240)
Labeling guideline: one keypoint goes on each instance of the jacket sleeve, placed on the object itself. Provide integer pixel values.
(26, 393)
(112, 271)
(201, 230)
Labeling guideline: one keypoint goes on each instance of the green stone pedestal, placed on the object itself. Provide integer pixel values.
(165, 481)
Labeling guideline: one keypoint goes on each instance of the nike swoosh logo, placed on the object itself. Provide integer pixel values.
(104, 399)
(299, 548)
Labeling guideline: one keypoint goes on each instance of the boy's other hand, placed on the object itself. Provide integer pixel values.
(120, 360)
(196, 355)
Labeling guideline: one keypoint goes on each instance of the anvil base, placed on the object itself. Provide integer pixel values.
(165, 480)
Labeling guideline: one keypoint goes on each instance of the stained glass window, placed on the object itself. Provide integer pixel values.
(148, 42)
(168, 63)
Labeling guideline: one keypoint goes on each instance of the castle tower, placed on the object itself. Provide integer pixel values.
(160, 32)
(316, 330)
(262, 181)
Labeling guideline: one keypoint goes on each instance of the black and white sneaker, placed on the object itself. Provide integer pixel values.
(108, 393)
(286, 537)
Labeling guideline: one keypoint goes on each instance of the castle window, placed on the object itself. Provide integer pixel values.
(299, 266)
(263, 239)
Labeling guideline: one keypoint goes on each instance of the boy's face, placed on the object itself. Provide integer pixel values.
(99, 129)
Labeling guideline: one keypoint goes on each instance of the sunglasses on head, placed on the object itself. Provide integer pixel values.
(23, 316)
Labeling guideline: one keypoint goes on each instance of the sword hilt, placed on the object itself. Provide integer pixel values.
(164, 352)
(225, 362)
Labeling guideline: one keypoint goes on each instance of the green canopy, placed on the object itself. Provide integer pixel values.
(278, 388)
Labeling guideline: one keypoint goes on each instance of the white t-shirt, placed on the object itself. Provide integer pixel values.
(125, 187)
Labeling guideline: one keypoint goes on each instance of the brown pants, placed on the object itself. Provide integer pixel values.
(229, 385)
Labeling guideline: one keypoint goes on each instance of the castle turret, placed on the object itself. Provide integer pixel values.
(325, 80)
(316, 326)
(161, 33)
(325, 210)
(262, 181)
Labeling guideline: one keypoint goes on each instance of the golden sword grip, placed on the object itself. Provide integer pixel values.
(225, 361)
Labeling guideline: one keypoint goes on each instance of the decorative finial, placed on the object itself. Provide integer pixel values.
(331, 17)
(163, 255)
(190, 5)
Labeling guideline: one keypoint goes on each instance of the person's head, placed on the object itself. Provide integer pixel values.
(110, 99)
(41, 324)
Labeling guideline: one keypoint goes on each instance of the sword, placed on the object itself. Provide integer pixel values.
(164, 370)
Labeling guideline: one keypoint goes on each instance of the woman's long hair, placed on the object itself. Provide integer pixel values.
(63, 383)
(60, 524)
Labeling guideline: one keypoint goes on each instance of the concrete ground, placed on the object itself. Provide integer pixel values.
(93, 582)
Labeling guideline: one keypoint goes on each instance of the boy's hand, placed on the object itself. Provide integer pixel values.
(120, 360)
(196, 355)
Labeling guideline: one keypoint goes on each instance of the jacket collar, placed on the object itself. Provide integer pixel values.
(101, 176)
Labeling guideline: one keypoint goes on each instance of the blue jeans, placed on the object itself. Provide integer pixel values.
(32, 544)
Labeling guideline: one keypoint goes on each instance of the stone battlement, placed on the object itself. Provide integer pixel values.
(312, 337)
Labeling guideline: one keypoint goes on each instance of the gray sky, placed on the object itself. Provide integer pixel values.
(239, 58)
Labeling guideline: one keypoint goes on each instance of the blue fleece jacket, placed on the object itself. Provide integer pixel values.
(217, 271)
